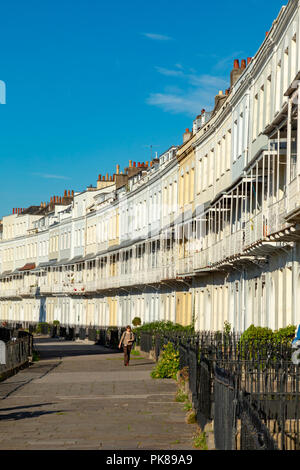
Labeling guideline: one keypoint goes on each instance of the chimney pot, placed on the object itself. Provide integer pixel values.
(72, 193)
(130, 163)
(69, 193)
(187, 130)
(236, 64)
(249, 60)
(243, 64)
(99, 177)
(65, 193)
(202, 111)
(134, 164)
(118, 169)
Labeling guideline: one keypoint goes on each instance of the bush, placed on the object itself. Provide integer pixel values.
(162, 327)
(56, 322)
(285, 335)
(136, 321)
(168, 364)
(42, 326)
(256, 334)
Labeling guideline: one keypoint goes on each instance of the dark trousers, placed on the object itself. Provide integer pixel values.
(127, 350)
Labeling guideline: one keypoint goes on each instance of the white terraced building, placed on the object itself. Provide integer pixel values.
(207, 232)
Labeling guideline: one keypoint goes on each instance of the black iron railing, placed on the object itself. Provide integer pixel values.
(17, 351)
(250, 390)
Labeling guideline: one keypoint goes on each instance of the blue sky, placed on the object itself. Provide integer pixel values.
(90, 84)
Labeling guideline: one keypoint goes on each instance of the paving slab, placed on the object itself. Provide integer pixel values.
(79, 396)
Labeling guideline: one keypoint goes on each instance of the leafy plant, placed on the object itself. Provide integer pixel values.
(188, 406)
(162, 327)
(168, 364)
(42, 326)
(191, 417)
(227, 328)
(285, 335)
(136, 321)
(200, 441)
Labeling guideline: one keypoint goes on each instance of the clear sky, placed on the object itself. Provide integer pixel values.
(92, 83)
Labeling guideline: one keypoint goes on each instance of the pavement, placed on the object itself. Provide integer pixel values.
(79, 396)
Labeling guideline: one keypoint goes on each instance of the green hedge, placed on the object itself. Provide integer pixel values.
(255, 335)
(168, 364)
(162, 327)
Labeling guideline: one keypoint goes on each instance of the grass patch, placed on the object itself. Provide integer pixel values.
(35, 355)
(199, 441)
(181, 396)
(188, 406)
(135, 353)
(191, 418)
(176, 442)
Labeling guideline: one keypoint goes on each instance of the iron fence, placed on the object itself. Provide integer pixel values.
(250, 390)
(17, 353)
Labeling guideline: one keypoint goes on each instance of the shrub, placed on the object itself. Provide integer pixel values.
(136, 321)
(56, 322)
(227, 328)
(285, 335)
(168, 364)
(256, 334)
(162, 327)
(42, 326)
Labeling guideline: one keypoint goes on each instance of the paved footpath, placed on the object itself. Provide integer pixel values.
(80, 396)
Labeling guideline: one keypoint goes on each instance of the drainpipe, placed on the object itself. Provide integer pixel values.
(243, 300)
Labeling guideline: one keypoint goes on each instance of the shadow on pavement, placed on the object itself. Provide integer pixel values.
(24, 406)
(27, 414)
(49, 348)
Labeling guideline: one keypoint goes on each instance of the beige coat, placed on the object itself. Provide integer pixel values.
(127, 338)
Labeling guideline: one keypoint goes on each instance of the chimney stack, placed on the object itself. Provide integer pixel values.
(236, 72)
(187, 135)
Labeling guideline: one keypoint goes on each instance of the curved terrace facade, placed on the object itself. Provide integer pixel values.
(207, 232)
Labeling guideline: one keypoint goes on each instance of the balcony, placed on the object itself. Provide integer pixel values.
(28, 291)
(46, 289)
(169, 272)
(10, 293)
(276, 216)
(186, 265)
(91, 286)
(75, 288)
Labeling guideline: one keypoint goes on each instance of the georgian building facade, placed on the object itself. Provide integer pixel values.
(206, 233)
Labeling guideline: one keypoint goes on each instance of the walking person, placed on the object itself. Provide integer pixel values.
(127, 340)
